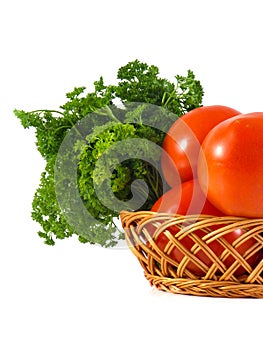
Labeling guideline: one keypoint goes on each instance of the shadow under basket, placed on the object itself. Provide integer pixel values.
(212, 265)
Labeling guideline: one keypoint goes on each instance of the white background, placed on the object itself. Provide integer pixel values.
(74, 296)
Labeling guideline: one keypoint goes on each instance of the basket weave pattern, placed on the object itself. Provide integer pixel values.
(143, 228)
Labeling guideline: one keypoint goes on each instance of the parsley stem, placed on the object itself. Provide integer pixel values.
(47, 110)
(111, 115)
(163, 98)
(170, 97)
(154, 182)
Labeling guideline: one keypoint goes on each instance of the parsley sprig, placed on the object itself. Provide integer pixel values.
(123, 114)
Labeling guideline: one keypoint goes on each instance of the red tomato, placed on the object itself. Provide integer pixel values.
(188, 198)
(177, 255)
(185, 199)
(230, 168)
(181, 145)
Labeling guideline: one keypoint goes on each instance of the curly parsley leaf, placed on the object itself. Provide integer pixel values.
(109, 168)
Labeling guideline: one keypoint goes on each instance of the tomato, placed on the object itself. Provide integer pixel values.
(181, 145)
(177, 255)
(185, 199)
(188, 198)
(230, 166)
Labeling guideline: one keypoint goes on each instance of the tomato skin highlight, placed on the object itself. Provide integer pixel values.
(182, 143)
(230, 166)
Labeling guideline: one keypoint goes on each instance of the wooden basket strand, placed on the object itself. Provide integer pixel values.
(218, 279)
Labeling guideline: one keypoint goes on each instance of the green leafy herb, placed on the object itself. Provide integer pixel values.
(111, 161)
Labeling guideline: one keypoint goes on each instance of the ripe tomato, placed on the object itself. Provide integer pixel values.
(188, 198)
(185, 199)
(181, 145)
(177, 255)
(230, 166)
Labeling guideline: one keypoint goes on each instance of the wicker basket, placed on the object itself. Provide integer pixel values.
(219, 279)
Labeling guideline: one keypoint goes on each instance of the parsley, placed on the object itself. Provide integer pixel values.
(112, 157)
